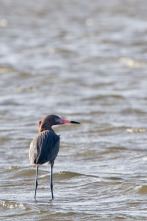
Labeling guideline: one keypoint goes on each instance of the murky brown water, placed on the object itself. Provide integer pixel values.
(85, 61)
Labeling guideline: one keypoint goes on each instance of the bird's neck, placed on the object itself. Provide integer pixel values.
(45, 126)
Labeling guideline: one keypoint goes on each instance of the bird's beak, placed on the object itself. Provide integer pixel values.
(74, 122)
(63, 121)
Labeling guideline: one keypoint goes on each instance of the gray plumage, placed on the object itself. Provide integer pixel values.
(44, 148)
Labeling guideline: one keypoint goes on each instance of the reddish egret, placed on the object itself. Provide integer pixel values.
(44, 148)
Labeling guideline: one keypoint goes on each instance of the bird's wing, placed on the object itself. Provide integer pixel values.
(44, 148)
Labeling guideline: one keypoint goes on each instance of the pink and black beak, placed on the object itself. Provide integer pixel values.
(63, 121)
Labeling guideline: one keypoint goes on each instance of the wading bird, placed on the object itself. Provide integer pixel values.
(44, 148)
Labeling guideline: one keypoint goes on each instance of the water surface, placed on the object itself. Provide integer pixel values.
(84, 61)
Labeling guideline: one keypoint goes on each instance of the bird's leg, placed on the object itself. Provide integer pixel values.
(36, 181)
(52, 182)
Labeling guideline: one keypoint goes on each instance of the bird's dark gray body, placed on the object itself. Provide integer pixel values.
(44, 148)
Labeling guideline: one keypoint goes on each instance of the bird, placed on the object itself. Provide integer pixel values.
(45, 147)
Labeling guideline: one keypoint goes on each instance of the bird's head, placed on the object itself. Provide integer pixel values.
(47, 122)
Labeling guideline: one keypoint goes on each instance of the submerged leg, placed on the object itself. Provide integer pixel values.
(36, 181)
(52, 182)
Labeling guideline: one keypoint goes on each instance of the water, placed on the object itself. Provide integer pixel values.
(84, 61)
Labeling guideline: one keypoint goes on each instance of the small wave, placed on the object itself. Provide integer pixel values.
(6, 70)
(136, 130)
(132, 63)
(14, 168)
(143, 189)
(11, 205)
(18, 172)
(68, 174)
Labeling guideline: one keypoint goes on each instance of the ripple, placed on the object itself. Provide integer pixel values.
(12, 205)
(132, 63)
(6, 70)
(136, 130)
(143, 189)
(68, 174)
